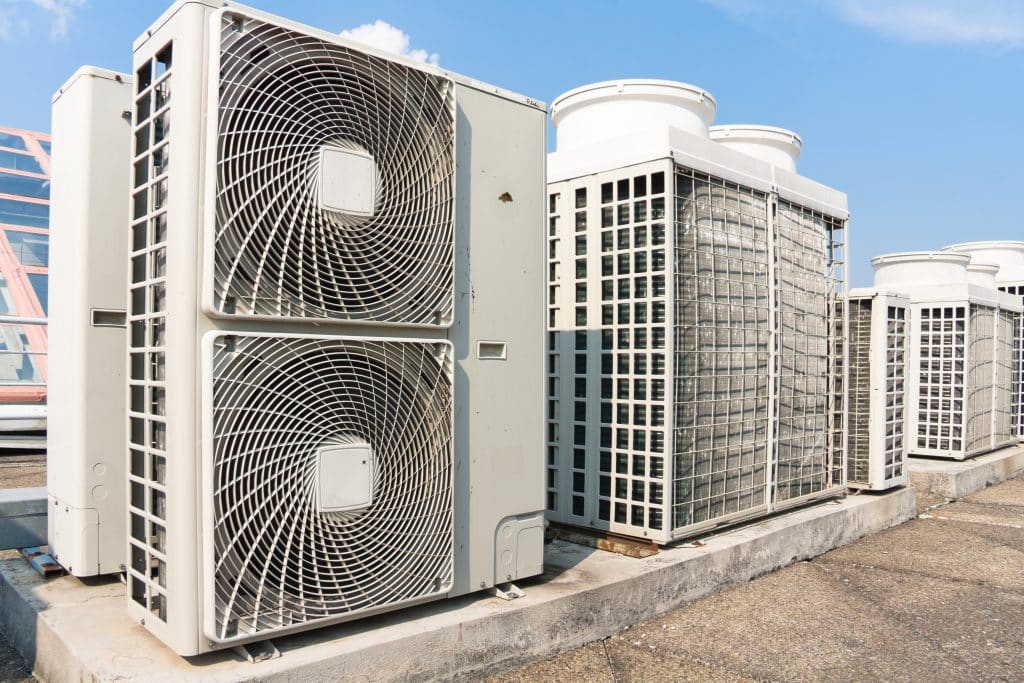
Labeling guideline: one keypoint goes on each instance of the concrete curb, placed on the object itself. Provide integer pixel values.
(71, 631)
(959, 478)
(22, 518)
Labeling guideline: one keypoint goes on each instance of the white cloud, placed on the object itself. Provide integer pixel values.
(998, 23)
(17, 17)
(982, 22)
(383, 36)
(62, 13)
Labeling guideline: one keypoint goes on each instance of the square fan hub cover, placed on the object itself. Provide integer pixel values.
(344, 477)
(347, 181)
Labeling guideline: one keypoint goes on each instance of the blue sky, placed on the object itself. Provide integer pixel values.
(912, 107)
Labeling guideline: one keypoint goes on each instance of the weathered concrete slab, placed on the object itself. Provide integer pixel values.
(22, 518)
(72, 631)
(954, 479)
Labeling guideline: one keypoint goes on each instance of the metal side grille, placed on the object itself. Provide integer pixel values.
(942, 346)
(721, 347)
(148, 440)
(331, 469)
(859, 459)
(335, 182)
(895, 390)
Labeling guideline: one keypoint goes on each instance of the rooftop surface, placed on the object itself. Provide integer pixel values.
(937, 598)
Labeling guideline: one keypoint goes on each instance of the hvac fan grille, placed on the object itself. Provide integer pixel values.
(981, 333)
(809, 266)
(279, 559)
(940, 410)
(285, 99)
(147, 514)
(859, 377)
(720, 342)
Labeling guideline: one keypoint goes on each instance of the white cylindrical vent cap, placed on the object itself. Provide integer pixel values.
(919, 268)
(777, 146)
(982, 274)
(603, 111)
(1007, 254)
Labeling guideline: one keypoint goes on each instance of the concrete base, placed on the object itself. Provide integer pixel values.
(958, 478)
(72, 631)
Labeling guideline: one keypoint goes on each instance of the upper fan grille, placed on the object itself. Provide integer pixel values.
(285, 97)
(278, 403)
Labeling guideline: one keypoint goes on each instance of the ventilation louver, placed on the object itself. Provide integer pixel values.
(331, 474)
(335, 182)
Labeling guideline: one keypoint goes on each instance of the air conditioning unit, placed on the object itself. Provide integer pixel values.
(336, 342)
(1009, 256)
(877, 348)
(961, 355)
(695, 322)
(88, 259)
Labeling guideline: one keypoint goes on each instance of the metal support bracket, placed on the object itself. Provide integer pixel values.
(42, 562)
(259, 651)
(506, 591)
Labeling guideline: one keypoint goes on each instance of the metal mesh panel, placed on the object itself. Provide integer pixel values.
(807, 451)
(980, 377)
(942, 347)
(291, 416)
(721, 347)
(859, 378)
(1006, 359)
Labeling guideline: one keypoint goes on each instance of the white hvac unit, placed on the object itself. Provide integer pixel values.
(1009, 256)
(336, 340)
(961, 354)
(877, 350)
(88, 259)
(695, 317)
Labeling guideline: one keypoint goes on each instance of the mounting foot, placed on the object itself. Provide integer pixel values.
(506, 591)
(257, 652)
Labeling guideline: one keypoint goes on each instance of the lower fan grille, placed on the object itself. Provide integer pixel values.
(331, 478)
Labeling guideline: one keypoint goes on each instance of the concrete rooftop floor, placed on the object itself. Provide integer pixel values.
(938, 598)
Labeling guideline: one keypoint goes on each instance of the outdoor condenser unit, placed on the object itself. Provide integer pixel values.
(88, 258)
(695, 325)
(1009, 256)
(961, 352)
(336, 336)
(877, 349)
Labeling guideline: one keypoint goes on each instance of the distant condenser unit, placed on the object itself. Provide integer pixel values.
(673, 408)
(877, 357)
(962, 360)
(86, 391)
(964, 374)
(326, 357)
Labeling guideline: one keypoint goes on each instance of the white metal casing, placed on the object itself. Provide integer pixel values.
(497, 419)
(960, 376)
(613, 405)
(877, 351)
(88, 259)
